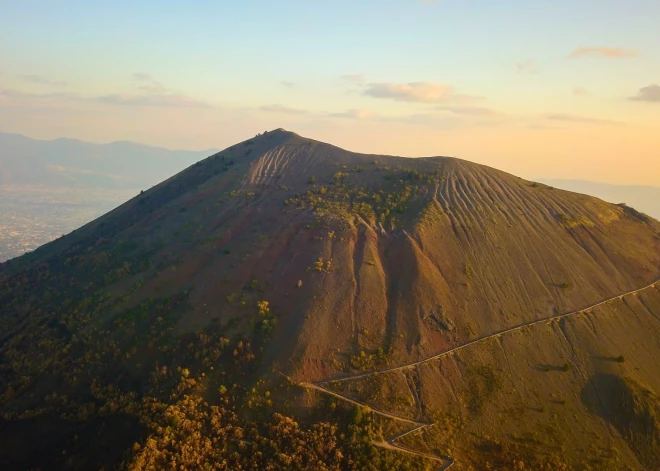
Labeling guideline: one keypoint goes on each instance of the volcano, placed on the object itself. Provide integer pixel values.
(287, 304)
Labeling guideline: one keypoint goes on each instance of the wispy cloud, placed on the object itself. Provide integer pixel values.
(167, 98)
(355, 114)
(286, 83)
(650, 93)
(36, 101)
(571, 118)
(142, 77)
(440, 121)
(433, 120)
(149, 84)
(414, 92)
(155, 88)
(171, 100)
(542, 127)
(528, 66)
(10, 93)
(44, 80)
(277, 108)
(152, 93)
(353, 78)
(476, 111)
(607, 52)
(579, 91)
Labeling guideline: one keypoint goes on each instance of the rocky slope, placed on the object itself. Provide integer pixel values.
(313, 262)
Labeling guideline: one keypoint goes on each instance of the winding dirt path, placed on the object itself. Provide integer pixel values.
(446, 461)
(362, 404)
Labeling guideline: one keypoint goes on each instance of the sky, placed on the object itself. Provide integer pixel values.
(539, 88)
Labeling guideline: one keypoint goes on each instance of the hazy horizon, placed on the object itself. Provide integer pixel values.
(533, 177)
(490, 83)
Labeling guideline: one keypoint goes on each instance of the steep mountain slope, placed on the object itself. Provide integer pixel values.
(282, 261)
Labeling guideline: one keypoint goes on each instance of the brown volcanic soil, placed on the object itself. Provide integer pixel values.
(581, 388)
(373, 261)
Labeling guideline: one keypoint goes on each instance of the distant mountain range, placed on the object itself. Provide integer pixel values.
(643, 198)
(71, 163)
(49, 188)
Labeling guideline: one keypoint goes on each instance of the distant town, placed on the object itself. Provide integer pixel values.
(31, 217)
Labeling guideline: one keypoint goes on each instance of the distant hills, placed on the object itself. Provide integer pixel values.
(49, 188)
(73, 164)
(285, 304)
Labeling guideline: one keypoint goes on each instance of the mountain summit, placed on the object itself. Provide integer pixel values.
(284, 276)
